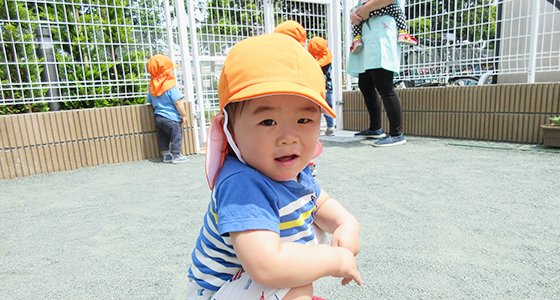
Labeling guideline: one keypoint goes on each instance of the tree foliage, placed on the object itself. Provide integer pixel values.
(96, 48)
(226, 22)
(471, 20)
(17, 50)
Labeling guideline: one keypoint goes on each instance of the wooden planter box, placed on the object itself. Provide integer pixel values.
(551, 134)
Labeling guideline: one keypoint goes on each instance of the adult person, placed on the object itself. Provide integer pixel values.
(375, 67)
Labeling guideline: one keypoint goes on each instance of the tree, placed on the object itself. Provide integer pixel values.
(17, 50)
(469, 20)
(97, 46)
(222, 23)
(93, 33)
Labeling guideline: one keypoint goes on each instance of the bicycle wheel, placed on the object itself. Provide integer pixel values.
(463, 81)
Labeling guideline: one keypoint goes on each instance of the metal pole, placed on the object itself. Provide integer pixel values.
(50, 72)
(187, 74)
(347, 38)
(268, 16)
(197, 72)
(533, 40)
(333, 21)
(169, 30)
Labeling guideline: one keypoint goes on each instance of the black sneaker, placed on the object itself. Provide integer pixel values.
(374, 134)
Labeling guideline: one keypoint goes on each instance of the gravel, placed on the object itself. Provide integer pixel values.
(441, 219)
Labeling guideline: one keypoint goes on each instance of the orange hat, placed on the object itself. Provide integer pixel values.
(293, 29)
(318, 48)
(160, 68)
(269, 64)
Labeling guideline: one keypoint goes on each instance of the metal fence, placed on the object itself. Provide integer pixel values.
(60, 50)
(220, 28)
(509, 40)
(57, 51)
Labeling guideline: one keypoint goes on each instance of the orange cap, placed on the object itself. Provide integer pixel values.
(318, 48)
(293, 29)
(269, 64)
(160, 67)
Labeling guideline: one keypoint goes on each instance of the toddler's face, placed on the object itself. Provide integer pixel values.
(277, 134)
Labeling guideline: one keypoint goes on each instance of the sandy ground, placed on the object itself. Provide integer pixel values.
(441, 219)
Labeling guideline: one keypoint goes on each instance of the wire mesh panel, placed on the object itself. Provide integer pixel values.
(530, 37)
(549, 38)
(468, 38)
(79, 50)
(455, 38)
(312, 16)
(221, 24)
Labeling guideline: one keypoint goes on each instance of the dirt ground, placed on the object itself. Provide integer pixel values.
(441, 219)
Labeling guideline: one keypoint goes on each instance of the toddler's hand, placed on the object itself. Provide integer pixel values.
(348, 268)
(355, 18)
(362, 12)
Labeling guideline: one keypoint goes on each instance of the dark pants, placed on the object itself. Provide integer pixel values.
(169, 132)
(330, 120)
(381, 81)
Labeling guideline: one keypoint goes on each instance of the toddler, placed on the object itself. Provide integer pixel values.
(393, 10)
(169, 112)
(260, 237)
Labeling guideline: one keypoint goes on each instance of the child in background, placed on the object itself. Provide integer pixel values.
(317, 47)
(293, 29)
(169, 112)
(259, 239)
(393, 10)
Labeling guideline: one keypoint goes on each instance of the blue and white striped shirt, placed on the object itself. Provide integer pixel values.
(245, 199)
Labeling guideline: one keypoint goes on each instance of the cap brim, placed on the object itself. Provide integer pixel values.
(275, 88)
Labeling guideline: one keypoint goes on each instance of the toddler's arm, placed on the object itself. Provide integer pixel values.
(333, 218)
(181, 108)
(285, 265)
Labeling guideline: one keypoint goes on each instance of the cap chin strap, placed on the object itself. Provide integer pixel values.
(230, 138)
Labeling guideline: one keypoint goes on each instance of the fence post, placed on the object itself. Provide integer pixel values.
(201, 113)
(269, 23)
(335, 38)
(347, 42)
(169, 31)
(50, 72)
(199, 122)
(535, 19)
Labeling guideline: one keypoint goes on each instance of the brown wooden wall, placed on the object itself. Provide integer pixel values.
(47, 142)
(506, 113)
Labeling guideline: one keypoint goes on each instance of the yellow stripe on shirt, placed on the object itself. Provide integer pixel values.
(214, 214)
(297, 222)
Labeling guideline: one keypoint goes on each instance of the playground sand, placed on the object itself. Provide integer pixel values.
(440, 219)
